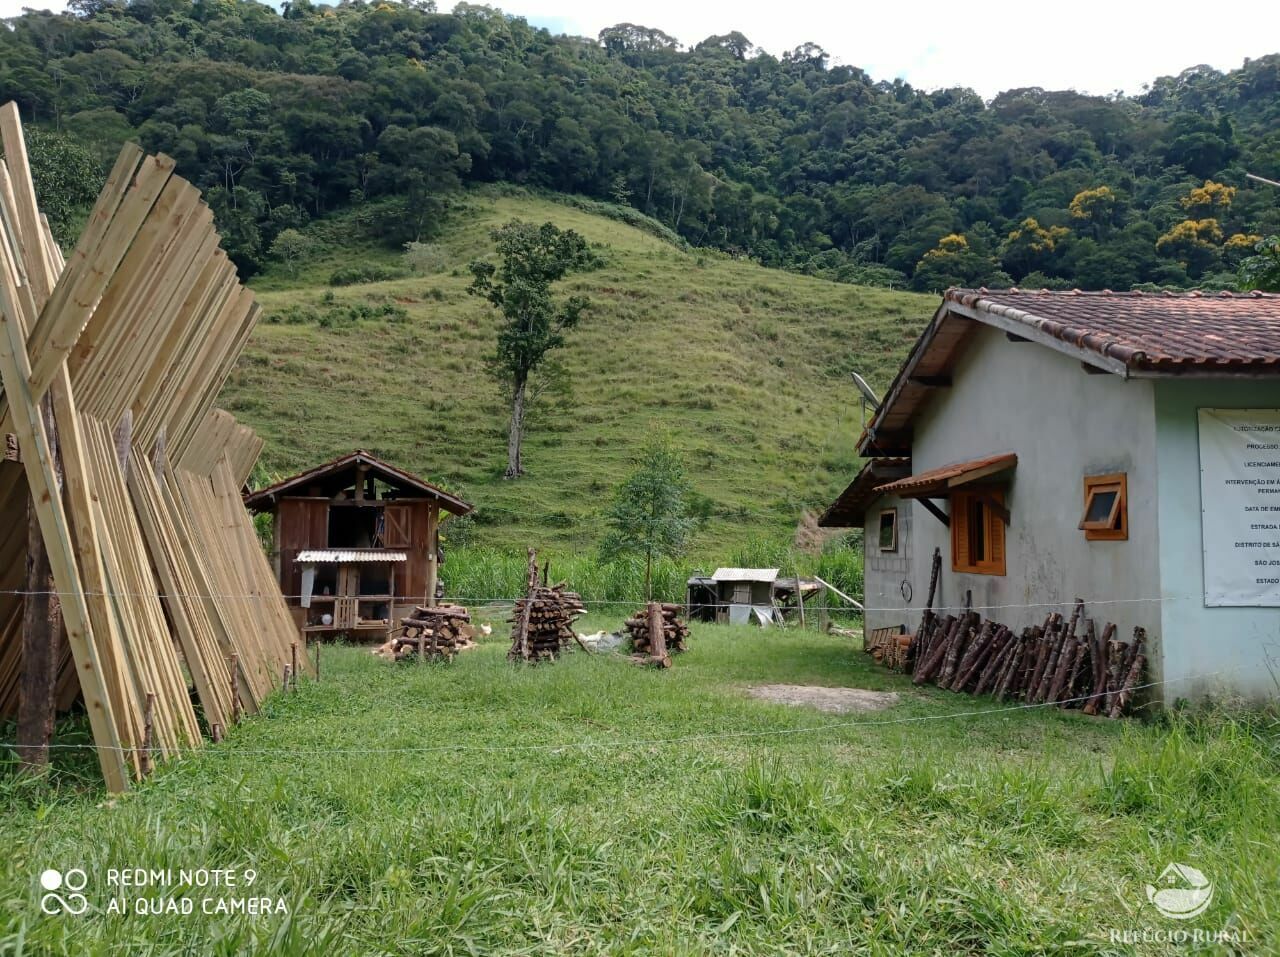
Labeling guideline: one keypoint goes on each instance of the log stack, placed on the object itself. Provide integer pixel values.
(656, 631)
(431, 633)
(542, 623)
(674, 631)
(1063, 662)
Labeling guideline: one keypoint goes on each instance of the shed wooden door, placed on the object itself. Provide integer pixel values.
(304, 523)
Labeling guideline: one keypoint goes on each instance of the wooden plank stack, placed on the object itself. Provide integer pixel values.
(542, 621)
(431, 633)
(1062, 661)
(675, 632)
(110, 362)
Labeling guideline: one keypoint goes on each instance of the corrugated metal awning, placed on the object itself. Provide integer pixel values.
(340, 556)
(744, 574)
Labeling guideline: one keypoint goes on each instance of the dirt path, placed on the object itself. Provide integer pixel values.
(833, 700)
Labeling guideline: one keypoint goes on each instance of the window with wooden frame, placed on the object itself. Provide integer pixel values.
(977, 531)
(1106, 508)
(889, 530)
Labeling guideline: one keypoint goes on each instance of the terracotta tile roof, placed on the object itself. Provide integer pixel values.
(1159, 332)
(938, 481)
(1193, 334)
(849, 510)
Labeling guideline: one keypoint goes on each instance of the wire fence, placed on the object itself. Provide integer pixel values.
(608, 602)
(612, 743)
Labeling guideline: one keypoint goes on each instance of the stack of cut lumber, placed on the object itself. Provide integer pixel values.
(1062, 661)
(110, 362)
(438, 632)
(542, 622)
(674, 631)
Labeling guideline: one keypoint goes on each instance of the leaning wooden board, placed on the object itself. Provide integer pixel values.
(154, 558)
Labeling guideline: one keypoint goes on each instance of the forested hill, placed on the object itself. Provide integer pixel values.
(818, 168)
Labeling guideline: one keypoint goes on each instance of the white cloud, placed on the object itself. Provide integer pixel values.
(1096, 46)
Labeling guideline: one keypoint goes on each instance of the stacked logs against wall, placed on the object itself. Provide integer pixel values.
(656, 633)
(1062, 661)
(542, 621)
(431, 633)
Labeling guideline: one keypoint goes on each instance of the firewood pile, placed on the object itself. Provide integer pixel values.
(888, 646)
(674, 631)
(542, 621)
(439, 632)
(656, 633)
(1062, 661)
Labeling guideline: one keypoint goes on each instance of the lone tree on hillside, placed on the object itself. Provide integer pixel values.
(533, 323)
(650, 511)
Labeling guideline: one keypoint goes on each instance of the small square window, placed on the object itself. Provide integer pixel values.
(1106, 508)
(889, 530)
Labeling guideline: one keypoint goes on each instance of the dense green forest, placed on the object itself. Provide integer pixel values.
(283, 117)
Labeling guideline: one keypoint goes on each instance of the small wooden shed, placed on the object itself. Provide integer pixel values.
(356, 542)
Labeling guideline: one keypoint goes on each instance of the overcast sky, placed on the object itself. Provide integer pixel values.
(1095, 46)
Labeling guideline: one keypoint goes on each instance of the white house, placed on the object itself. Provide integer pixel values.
(1121, 448)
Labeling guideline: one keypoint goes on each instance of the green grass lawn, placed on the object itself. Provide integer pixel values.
(594, 807)
(746, 369)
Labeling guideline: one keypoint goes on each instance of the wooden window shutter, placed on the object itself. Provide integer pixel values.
(397, 526)
(995, 537)
(959, 532)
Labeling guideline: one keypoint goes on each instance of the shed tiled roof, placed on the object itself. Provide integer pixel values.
(1190, 331)
(938, 480)
(338, 470)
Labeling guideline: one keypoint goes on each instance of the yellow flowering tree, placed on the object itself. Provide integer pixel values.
(1030, 246)
(1194, 242)
(1095, 208)
(1212, 200)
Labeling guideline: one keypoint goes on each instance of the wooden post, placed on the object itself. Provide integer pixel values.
(147, 724)
(318, 643)
(657, 637)
(433, 546)
(287, 675)
(215, 732)
(293, 666)
(522, 636)
(235, 692)
(41, 631)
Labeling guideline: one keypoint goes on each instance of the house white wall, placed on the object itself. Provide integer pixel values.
(1208, 652)
(1064, 424)
(884, 572)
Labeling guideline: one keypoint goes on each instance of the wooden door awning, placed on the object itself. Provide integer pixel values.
(938, 483)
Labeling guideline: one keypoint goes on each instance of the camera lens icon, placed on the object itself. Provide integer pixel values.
(72, 882)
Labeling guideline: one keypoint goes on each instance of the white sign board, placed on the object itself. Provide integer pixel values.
(1240, 505)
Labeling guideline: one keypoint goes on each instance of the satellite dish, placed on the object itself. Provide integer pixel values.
(865, 389)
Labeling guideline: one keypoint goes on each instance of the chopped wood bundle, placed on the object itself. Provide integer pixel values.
(1050, 663)
(656, 631)
(542, 621)
(439, 632)
(674, 631)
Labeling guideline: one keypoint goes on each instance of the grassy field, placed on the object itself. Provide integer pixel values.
(745, 368)
(593, 807)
